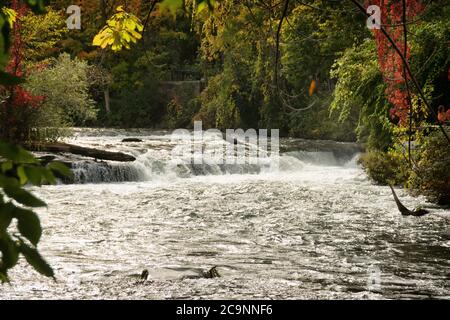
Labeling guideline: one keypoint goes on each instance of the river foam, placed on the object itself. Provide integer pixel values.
(317, 228)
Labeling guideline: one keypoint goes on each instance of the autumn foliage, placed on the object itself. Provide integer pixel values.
(390, 62)
(16, 110)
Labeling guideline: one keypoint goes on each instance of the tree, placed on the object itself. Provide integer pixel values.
(360, 91)
(312, 41)
(65, 88)
(42, 35)
(390, 62)
(18, 106)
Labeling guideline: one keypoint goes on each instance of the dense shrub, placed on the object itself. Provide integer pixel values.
(431, 176)
(429, 173)
(65, 88)
(385, 167)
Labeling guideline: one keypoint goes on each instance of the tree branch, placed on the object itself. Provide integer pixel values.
(407, 67)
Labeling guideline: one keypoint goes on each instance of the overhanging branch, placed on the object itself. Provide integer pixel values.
(407, 67)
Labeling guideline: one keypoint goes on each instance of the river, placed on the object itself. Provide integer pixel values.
(316, 229)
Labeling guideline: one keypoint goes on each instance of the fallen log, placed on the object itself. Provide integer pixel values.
(83, 151)
(132, 140)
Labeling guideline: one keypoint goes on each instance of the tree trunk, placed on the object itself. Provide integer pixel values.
(107, 104)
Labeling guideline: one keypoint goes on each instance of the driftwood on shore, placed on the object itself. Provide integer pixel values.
(83, 151)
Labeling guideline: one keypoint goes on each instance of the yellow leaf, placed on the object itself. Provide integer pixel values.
(203, 4)
(201, 7)
(97, 40)
(126, 36)
(135, 34)
(139, 26)
(312, 87)
(10, 15)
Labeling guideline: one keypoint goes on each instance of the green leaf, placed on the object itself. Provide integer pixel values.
(22, 196)
(34, 174)
(49, 177)
(16, 153)
(5, 216)
(10, 252)
(6, 166)
(34, 258)
(22, 175)
(3, 276)
(28, 224)
(9, 182)
(61, 168)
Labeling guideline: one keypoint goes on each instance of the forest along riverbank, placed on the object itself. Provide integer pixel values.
(317, 228)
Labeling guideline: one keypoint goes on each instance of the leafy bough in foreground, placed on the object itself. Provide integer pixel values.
(18, 167)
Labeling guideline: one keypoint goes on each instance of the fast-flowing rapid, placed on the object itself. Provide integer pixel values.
(315, 228)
